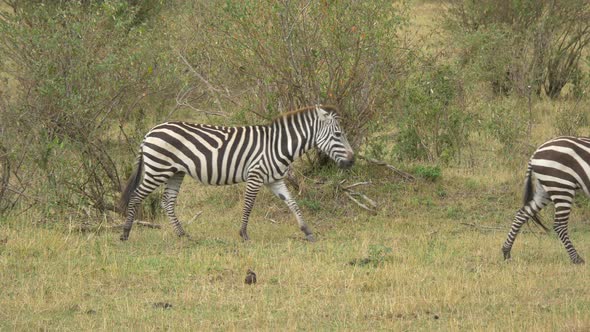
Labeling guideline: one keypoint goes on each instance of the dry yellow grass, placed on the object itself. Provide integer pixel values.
(440, 273)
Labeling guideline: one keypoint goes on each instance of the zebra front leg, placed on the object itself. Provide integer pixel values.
(252, 189)
(169, 201)
(562, 214)
(280, 190)
(519, 219)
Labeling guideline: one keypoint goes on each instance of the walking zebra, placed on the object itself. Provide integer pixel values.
(216, 155)
(559, 166)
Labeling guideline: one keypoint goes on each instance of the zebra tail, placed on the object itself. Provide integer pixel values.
(529, 196)
(132, 184)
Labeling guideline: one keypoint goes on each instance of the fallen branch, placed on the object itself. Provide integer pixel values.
(140, 223)
(359, 203)
(484, 228)
(366, 200)
(404, 175)
(497, 228)
(356, 184)
(195, 217)
(363, 196)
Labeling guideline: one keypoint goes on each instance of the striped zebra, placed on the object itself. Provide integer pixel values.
(557, 168)
(216, 155)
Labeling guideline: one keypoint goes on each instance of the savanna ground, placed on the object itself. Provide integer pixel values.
(428, 259)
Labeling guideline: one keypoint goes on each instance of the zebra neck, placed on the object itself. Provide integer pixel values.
(292, 137)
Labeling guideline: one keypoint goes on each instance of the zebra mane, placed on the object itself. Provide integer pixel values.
(329, 108)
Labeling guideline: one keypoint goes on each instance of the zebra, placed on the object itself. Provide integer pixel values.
(217, 155)
(559, 166)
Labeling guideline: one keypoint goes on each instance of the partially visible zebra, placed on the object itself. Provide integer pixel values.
(216, 155)
(558, 168)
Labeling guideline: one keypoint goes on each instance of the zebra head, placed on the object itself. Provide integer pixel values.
(331, 140)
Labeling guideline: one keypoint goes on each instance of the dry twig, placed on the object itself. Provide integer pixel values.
(404, 175)
(496, 228)
(181, 97)
(195, 217)
(141, 223)
(366, 203)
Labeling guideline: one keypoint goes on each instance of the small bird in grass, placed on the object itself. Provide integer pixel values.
(250, 277)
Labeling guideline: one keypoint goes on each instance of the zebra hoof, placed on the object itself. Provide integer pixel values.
(310, 238)
(506, 254)
(244, 235)
(124, 237)
(186, 237)
(578, 260)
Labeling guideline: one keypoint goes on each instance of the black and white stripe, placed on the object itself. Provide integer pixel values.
(558, 168)
(216, 155)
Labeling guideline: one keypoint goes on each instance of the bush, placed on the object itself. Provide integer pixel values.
(78, 69)
(430, 173)
(90, 78)
(435, 124)
(544, 41)
(570, 120)
(292, 54)
(505, 120)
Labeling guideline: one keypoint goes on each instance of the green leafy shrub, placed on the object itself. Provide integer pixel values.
(430, 173)
(570, 120)
(293, 54)
(542, 45)
(506, 122)
(83, 68)
(434, 123)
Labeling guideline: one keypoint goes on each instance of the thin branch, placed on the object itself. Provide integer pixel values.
(350, 194)
(181, 101)
(357, 184)
(21, 193)
(404, 175)
(195, 217)
(214, 91)
(493, 228)
(141, 223)
(358, 202)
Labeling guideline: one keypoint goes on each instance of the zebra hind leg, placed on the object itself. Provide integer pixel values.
(521, 217)
(562, 213)
(530, 210)
(142, 191)
(134, 203)
(169, 201)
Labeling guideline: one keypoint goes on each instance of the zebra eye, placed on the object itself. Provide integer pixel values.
(337, 134)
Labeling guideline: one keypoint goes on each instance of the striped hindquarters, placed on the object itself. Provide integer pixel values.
(211, 154)
(562, 165)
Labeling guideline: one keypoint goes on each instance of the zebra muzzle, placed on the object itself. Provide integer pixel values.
(348, 162)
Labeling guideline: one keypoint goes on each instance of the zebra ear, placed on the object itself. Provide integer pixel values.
(323, 114)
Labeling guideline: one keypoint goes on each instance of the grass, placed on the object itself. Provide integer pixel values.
(432, 262)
